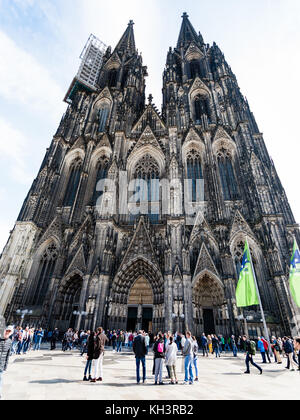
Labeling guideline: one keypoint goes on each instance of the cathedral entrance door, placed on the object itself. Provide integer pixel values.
(209, 321)
(132, 318)
(140, 306)
(147, 319)
(208, 298)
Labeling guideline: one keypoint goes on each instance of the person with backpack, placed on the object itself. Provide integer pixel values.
(250, 347)
(159, 356)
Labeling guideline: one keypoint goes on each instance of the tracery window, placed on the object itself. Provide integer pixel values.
(227, 176)
(194, 174)
(102, 173)
(45, 273)
(147, 170)
(102, 118)
(73, 183)
(196, 69)
(201, 108)
(113, 78)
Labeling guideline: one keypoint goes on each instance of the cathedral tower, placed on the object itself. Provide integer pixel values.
(138, 219)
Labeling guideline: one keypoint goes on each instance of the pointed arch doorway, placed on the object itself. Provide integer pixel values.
(209, 305)
(140, 306)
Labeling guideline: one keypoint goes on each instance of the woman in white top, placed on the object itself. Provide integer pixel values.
(171, 359)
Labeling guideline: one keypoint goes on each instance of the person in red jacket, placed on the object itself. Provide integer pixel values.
(266, 347)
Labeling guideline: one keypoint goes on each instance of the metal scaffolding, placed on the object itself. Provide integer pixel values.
(91, 63)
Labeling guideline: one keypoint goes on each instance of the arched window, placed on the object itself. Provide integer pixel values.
(102, 118)
(102, 173)
(45, 273)
(201, 108)
(73, 183)
(228, 180)
(113, 78)
(194, 174)
(195, 70)
(148, 191)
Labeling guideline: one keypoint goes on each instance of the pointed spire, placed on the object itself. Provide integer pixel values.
(187, 32)
(127, 42)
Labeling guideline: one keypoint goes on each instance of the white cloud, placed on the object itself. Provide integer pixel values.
(14, 153)
(27, 81)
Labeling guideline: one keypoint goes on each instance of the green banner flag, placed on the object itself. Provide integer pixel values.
(246, 294)
(295, 275)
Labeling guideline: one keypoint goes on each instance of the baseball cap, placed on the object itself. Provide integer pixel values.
(9, 328)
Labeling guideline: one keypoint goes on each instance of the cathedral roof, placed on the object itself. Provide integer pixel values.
(188, 33)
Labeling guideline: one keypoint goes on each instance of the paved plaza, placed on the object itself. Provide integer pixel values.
(47, 375)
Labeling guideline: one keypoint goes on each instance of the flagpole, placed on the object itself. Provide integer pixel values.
(267, 336)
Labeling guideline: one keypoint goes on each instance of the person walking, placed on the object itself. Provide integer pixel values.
(195, 357)
(261, 348)
(209, 343)
(114, 341)
(289, 351)
(216, 345)
(188, 359)
(297, 348)
(171, 359)
(140, 351)
(5, 346)
(26, 340)
(54, 338)
(204, 345)
(234, 346)
(266, 346)
(147, 340)
(159, 356)
(276, 350)
(250, 348)
(89, 357)
(100, 341)
(120, 341)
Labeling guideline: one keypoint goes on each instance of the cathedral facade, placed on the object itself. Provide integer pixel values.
(138, 218)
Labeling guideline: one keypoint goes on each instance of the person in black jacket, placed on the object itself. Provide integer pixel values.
(5, 345)
(249, 355)
(289, 351)
(89, 357)
(140, 351)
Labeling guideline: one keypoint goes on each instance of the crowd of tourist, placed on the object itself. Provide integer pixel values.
(165, 348)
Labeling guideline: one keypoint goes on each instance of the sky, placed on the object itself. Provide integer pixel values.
(40, 44)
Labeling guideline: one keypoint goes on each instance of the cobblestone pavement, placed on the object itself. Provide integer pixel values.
(47, 375)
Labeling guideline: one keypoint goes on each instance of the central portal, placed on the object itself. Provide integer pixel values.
(140, 306)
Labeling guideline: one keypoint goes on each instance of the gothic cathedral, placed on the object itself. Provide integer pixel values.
(138, 218)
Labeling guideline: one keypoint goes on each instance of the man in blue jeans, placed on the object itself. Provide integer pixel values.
(38, 339)
(188, 359)
(140, 351)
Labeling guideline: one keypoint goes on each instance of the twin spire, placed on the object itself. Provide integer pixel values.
(187, 33)
(127, 42)
(186, 36)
